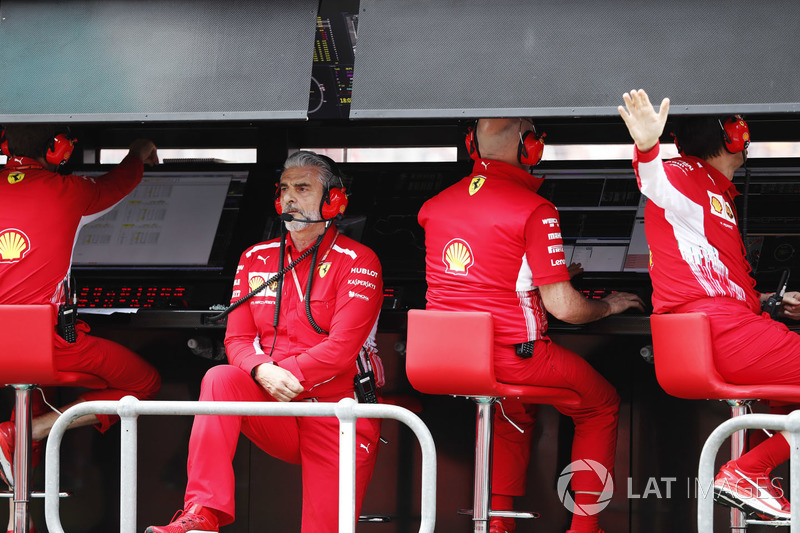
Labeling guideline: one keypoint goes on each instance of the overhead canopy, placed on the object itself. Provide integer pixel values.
(155, 60)
(473, 58)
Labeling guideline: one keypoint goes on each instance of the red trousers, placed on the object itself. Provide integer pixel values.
(595, 418)
(750, 348)
(124, 372)
(310, 442)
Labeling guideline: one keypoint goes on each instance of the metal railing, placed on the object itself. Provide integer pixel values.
(346, 410)
(705, 472)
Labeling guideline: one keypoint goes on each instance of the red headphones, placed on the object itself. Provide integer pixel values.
(736, 134)
(529, 150)
(58, 153)
(4, 143)
(334, 200)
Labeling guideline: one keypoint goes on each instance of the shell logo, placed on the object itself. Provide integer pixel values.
(14, 244)
(457, 257)
(255, 282)
(745, 135)
(716, 205)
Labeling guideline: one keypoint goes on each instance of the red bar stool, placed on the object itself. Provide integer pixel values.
(685, 368)
(452, 353)
(26, 361)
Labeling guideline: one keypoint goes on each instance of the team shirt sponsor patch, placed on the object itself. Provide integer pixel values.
(16, 177)
(256, 279)
(476, 184)
(364, 271)
(552, 222)
(362, 283)
(721, 208)
(457, 257)
(323, 269)
(358, 295)
(553, 236)
(14, 244)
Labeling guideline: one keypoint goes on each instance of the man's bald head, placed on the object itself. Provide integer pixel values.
(499, 138)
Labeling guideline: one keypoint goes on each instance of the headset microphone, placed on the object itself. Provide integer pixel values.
(287, 217)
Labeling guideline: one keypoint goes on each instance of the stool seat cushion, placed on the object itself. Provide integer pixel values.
(684, 361)
(451, 352)
(26, 349)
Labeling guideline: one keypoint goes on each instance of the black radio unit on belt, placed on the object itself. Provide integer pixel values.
(524, 349)
(67, 319)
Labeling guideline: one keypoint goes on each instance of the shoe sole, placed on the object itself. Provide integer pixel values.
(728, 499)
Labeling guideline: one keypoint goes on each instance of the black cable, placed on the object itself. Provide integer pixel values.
(308, 296)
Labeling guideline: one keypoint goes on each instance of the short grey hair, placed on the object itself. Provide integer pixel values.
(305, 158)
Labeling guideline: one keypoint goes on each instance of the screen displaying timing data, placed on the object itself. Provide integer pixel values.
(169, 219)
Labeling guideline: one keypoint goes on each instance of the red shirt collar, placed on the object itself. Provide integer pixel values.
(722, 182)
(21, 163)
(499, 170)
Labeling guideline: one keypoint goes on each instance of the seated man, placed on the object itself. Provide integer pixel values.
(698, 264)
(296, 339)
(495, 245)
(41, 213)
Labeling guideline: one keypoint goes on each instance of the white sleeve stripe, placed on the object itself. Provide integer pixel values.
(657, 187)
(346, 251)
(254, 249)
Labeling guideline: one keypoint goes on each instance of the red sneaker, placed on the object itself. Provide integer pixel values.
(499, 524)
(195, 518)
(751, 493)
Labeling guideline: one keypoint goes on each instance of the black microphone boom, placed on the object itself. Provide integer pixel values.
(287, 217)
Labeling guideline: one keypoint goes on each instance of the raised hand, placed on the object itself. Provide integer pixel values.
(644, 124)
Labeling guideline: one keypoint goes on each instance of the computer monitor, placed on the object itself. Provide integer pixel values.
(175, 220)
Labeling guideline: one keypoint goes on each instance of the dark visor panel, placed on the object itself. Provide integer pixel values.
(472, 58)
(155, 60)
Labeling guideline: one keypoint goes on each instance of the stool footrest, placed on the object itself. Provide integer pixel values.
(375, 518)
(35, 494)
(504, 514)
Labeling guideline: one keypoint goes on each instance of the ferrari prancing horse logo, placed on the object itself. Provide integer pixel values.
(476, 184)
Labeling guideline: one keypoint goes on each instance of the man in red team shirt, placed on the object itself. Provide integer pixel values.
(328, 308)
(698, 264)
(41, 213)
(493, 244)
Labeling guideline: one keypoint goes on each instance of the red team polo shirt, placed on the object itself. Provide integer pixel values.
(346, 298)
(41, 213)
(696, 250)
(491, 242)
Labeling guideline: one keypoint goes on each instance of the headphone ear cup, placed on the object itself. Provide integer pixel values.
(4, 143)
(736, 134)
(531, 148)
(471, 142)
(60, 150)
(278, 207)
(334, 203)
